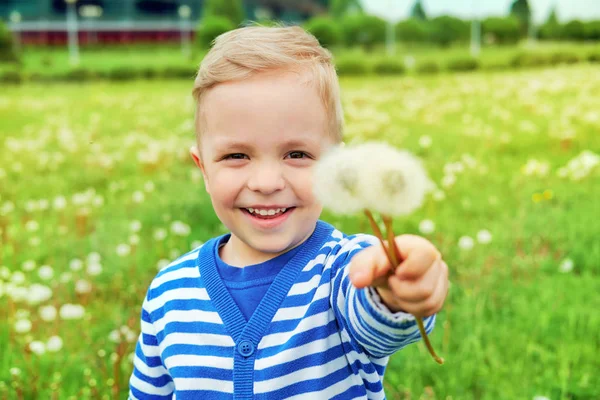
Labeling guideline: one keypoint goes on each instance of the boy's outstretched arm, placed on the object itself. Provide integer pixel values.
(377, 325)
(150, 379)
(419, 285)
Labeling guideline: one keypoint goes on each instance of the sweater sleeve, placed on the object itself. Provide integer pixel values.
(150, 379)
(370, 325)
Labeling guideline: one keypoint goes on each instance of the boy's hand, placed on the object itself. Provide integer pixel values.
(418, 287)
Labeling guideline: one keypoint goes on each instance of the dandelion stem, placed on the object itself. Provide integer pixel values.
(393, 248)
(395, 255)
(378, 233)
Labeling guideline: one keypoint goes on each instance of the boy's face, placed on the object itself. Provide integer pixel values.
(261, 139)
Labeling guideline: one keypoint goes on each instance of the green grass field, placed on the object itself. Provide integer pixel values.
(97, 191)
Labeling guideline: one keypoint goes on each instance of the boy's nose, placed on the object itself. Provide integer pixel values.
(266, 179)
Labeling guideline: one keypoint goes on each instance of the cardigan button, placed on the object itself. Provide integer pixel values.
(245, 348)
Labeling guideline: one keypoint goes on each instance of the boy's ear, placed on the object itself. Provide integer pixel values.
(195, 153)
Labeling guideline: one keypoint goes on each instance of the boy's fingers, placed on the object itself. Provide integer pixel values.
(418, 255)
(368, 267)
(427, 307)
(422, 289)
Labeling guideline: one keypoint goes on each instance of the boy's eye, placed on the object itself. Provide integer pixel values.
(297, 154)
(235, 156)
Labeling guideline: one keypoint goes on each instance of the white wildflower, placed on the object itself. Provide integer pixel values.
(32, 226)
(541, 398)
(23, 326)
(45, 272)
(47, 313)
(75, 264)
(29, 265)
(94, 269)
(566, 266)
(149, 186)
(138, 196)
(14, 371)
(439, 195)
(38, 294)
(425, 141)
(484, 236)
(71, 311)
(17, 277)
(123, 250)
(37, 347)
(162, 263)
(427, 226)
(34, 241)
(43, 204)
(466, 243)
(114, 336)
(134, 240)
(65, 277)
(135, 226)
(159, 234)
(536, 168)
(54, 344)
(179, 228)
(83, 287)
(98, 201)
(93, 257)
(448, 181)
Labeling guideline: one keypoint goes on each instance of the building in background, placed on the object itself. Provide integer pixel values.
(126, 21)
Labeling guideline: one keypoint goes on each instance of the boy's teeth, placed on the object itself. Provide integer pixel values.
(266, 212)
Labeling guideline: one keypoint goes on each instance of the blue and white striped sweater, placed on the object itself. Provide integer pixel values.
(313, 333)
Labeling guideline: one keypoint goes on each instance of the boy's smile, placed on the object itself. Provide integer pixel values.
(260, 139)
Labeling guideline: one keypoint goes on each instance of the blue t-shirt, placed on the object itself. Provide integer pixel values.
(248, 285)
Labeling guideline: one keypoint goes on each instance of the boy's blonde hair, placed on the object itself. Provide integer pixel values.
(244, 52)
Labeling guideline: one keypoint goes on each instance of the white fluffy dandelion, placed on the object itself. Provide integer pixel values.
(566, 266)
(123, 250)
(466, 243)
(427, 227)
(94, 269)
(38, 294)
(54, 344)
(180, 228)
(135, 226)
(75, 264)
(160, 234)
(484, 236)
(336, 182)
(23, 326)
(45, 272)
(37, 347)
(71, 311)
(83, 287)
(47, 313)
(392, 182)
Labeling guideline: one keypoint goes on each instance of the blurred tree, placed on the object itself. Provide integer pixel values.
(521, 10)
(446, 30)
(417, 11)
(339, 8)
(502, 30)
(551, 29)
(326, 30)
(413, 30)
(7, 44)
(574, 30)
(233, 10)
(592, 30)
(210, 27)
(363, 30)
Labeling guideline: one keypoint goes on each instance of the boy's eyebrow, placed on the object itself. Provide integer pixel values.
(228, 144)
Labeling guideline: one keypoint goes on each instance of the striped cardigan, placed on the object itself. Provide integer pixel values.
(313, 335)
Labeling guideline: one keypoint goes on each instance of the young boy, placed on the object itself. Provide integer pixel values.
(284, 306)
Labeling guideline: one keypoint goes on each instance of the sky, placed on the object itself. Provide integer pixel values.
(566, 9)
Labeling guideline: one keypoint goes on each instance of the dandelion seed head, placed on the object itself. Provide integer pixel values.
(75, 264)
(336, 181)
(23, 326)
(54, 344)
(71, 311)
(37, 347)
(466, 243)
(123, 250)
(47, 313)
(83, 287)
(484, 236)
(427, 227)
(45, 272)
(566, 266)
(393, 182)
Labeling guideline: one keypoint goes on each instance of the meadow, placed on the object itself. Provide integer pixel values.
(97, 192)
